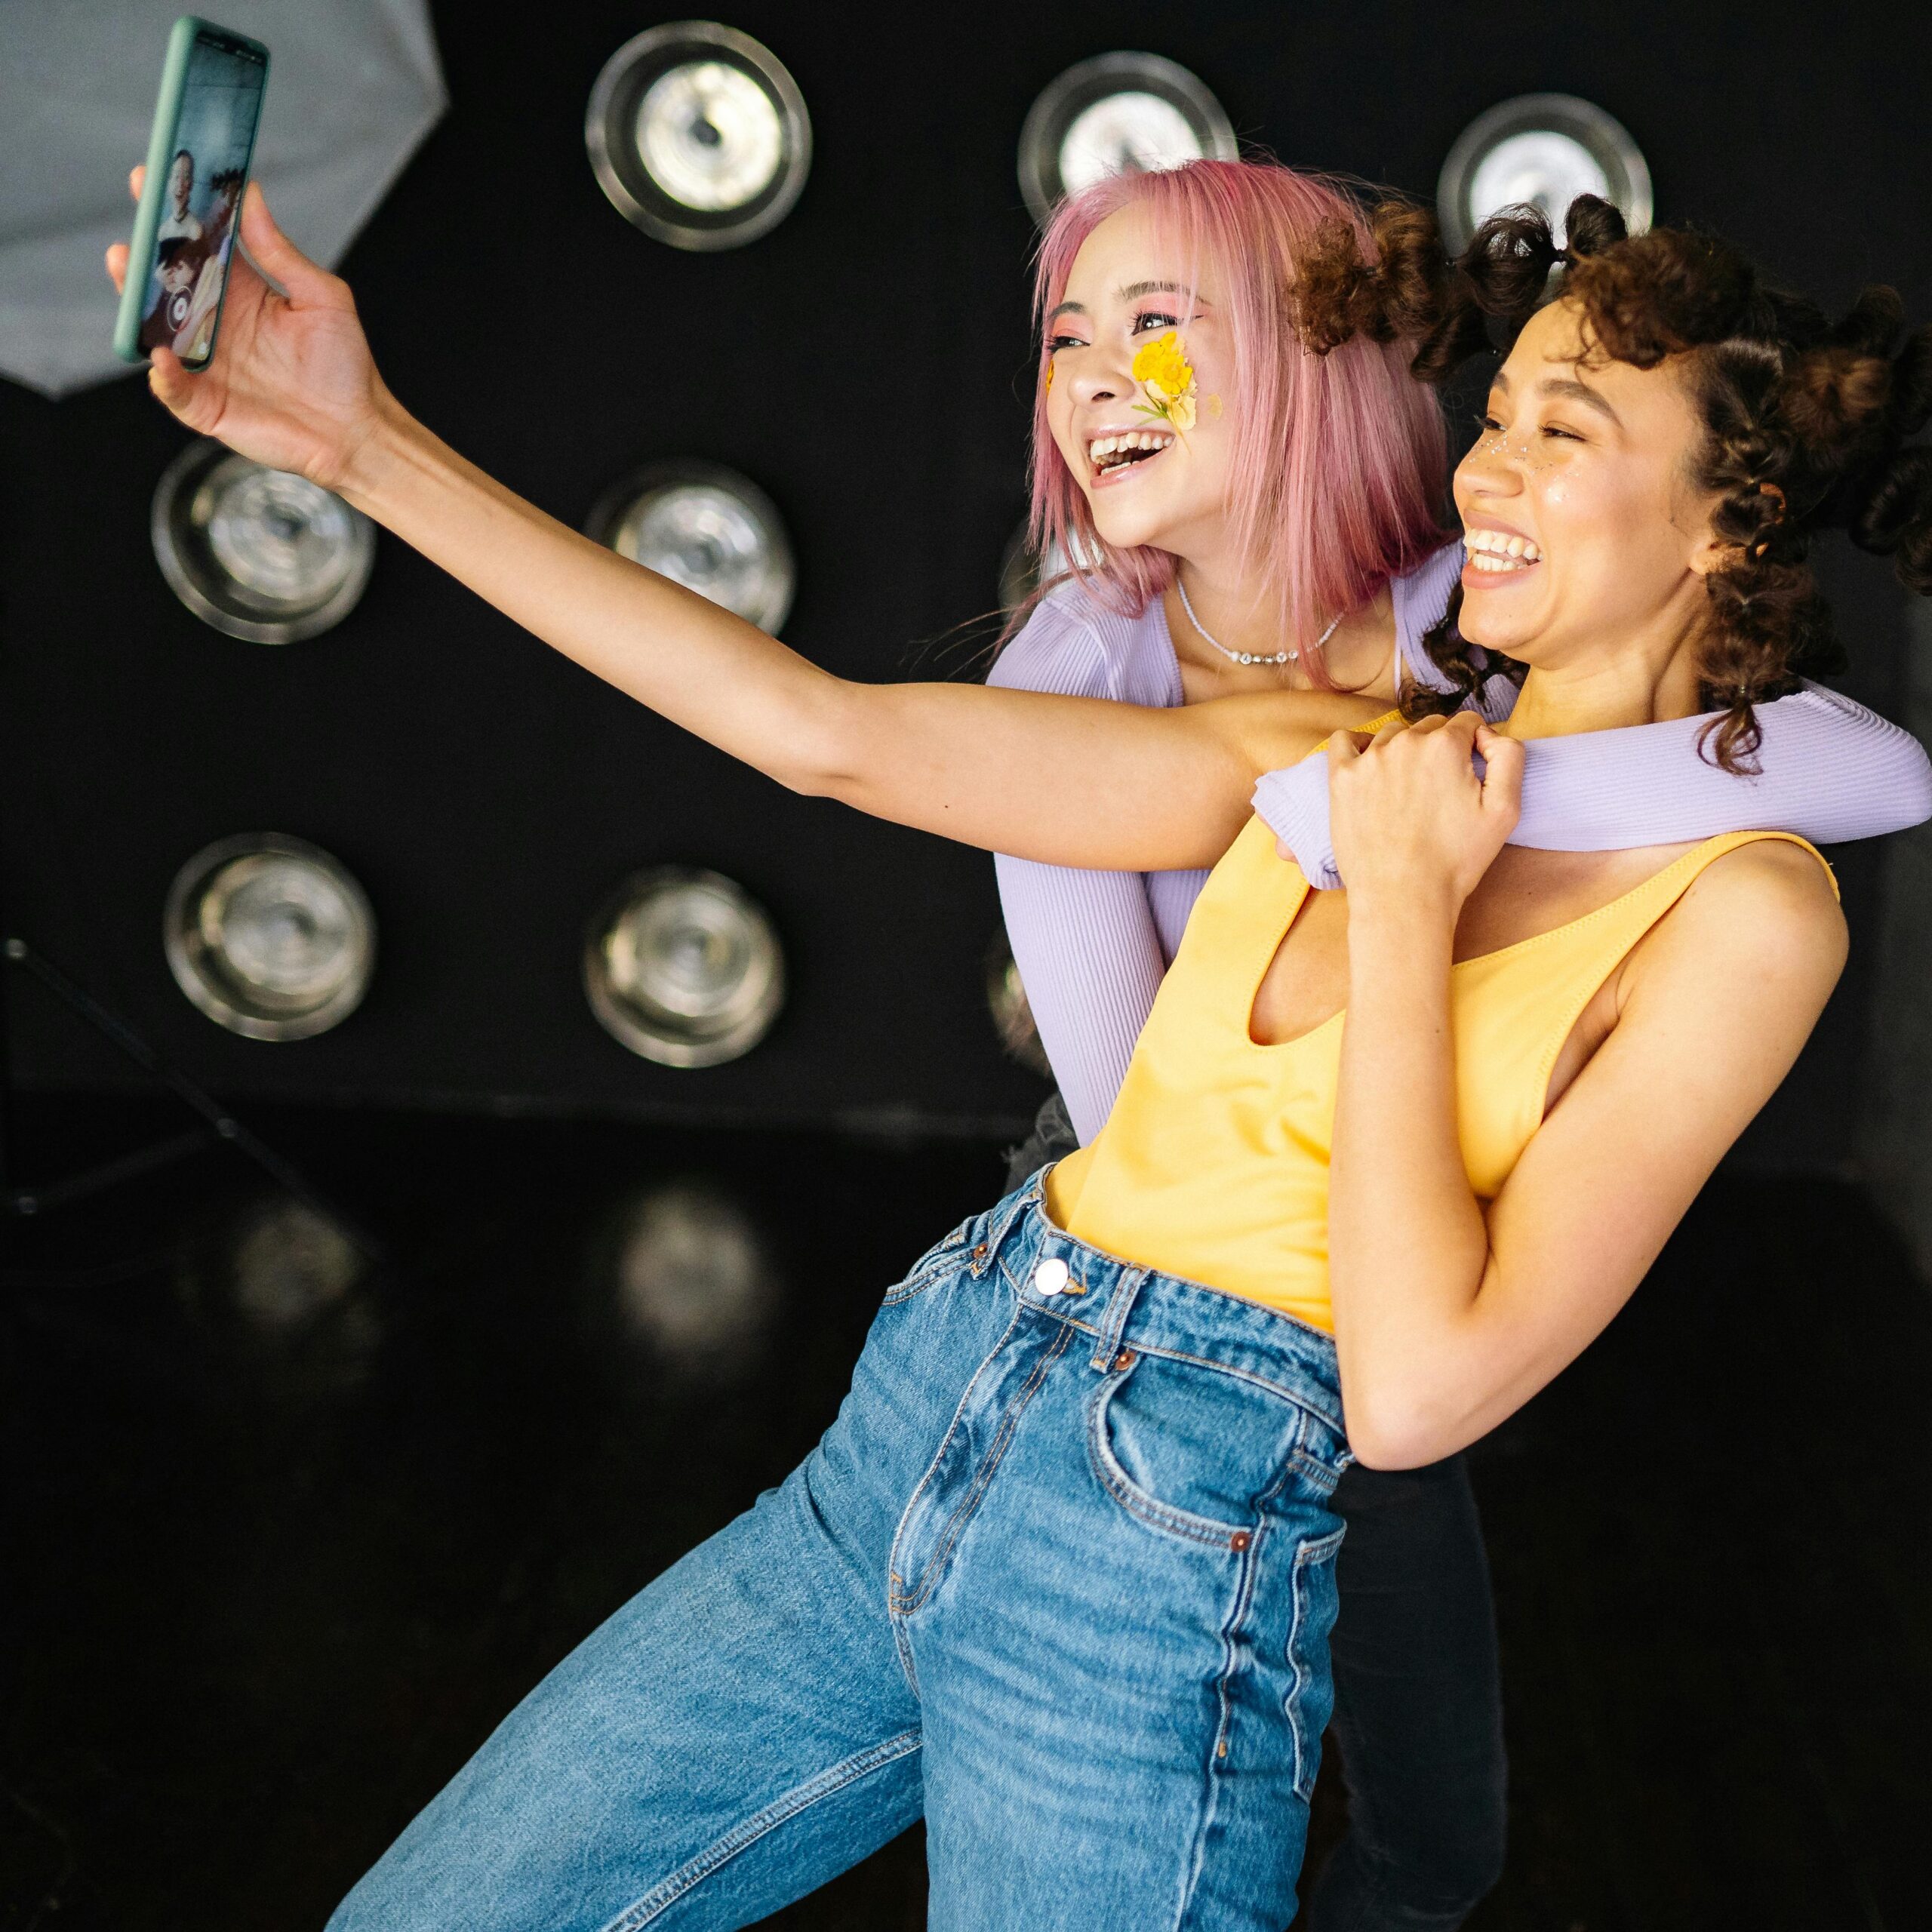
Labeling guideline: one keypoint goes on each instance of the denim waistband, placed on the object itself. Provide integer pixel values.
(1122, 1304)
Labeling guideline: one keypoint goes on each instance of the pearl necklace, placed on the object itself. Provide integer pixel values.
(1245, 657)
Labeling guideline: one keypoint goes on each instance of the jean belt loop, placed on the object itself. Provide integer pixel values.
(1017, 1207)
(1127, 1291)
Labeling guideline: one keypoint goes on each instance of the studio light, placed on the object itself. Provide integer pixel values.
(261, 554)
(711, 530)
(284, 1285)
(698, 135)
(683, 967)
(277, 1266)
(269, 936)
(1117, 113)
(682, 1269)
(1013, 1017)
(1544, 150)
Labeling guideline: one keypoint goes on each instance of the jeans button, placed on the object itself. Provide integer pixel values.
(1050, 1277)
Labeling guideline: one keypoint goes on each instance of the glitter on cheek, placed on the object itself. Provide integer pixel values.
(1532, 452)
(1214, 407)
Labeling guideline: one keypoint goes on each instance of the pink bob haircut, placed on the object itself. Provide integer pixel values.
(1340, 461)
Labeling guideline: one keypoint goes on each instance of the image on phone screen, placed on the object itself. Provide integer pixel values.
(221, 97)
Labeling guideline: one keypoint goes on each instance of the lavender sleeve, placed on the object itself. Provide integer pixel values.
(1086, 944)
(1830, 770)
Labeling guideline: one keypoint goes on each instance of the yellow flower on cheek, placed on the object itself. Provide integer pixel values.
(1166, 378)
(1050, 377)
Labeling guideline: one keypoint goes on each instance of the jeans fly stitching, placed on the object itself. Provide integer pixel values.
(892, 1603)
(667, 1891)
(906, 1604)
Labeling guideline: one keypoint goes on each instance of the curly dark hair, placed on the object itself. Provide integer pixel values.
(1805, 420)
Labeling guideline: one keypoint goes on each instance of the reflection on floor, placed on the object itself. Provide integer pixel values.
(282, 1540)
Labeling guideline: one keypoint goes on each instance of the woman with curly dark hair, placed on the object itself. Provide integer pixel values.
(1385, 1159)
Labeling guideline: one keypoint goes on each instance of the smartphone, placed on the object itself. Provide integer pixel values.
(198, 155)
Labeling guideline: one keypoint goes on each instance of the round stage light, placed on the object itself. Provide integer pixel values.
(698, 135)
(1544, 150)
(684, 1271)
(1013, 1017)
(1117, 113)
(261, 554)
(683, 968)
(269, 936)
(709, 529)
(291, 1267)
(286, 1283)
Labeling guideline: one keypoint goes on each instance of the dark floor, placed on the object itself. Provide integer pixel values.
(278, 1547)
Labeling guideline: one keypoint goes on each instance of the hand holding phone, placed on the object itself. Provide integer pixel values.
(199, 158)
(293, 385)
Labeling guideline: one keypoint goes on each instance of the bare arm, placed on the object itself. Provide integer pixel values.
(1447, 1321)
(1076, 782)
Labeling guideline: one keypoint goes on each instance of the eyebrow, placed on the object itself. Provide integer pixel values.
(1566, 386)
(1132, 292)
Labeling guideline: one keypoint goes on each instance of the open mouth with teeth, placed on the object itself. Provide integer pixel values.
(1109, 454)
(1499, 553)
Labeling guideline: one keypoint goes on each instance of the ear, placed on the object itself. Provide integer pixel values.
(1709, 552)
(1712, 555)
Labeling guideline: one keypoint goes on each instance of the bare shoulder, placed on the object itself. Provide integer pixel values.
(1774, 891)
(1762, 922)
(1269, 729)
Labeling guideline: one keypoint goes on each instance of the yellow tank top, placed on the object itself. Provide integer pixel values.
(1213, 1164)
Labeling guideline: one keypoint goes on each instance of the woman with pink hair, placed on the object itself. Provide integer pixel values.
(1336, 494)
(1060, 1578)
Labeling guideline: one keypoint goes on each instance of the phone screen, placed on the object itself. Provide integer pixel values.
(214, 134)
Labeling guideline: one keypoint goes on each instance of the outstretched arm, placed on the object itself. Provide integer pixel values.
(1073, 781)
(1447, 1318)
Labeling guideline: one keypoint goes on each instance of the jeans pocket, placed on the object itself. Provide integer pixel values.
(942, 1259)
(1311, 1688)
(1190, 1448)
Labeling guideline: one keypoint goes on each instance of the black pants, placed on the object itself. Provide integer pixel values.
(1418, 1703)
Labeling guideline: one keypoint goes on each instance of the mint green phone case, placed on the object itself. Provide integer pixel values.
(161, 148)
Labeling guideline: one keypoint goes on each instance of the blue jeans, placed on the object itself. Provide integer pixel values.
(1060, 1578)
(1418, 1703)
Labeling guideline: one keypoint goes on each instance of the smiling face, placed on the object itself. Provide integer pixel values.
(1582, 523)
(1148, 478)
(181, 183)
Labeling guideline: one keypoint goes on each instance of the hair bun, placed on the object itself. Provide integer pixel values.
(1912, 384)
(1410, 292)
(1837, 400)
(1592, 224)
(1506, 266)
(1896, 519)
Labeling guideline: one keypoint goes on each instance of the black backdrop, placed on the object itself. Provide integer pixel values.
(865, 364)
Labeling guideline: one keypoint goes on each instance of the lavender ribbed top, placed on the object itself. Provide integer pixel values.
(1092, 946)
